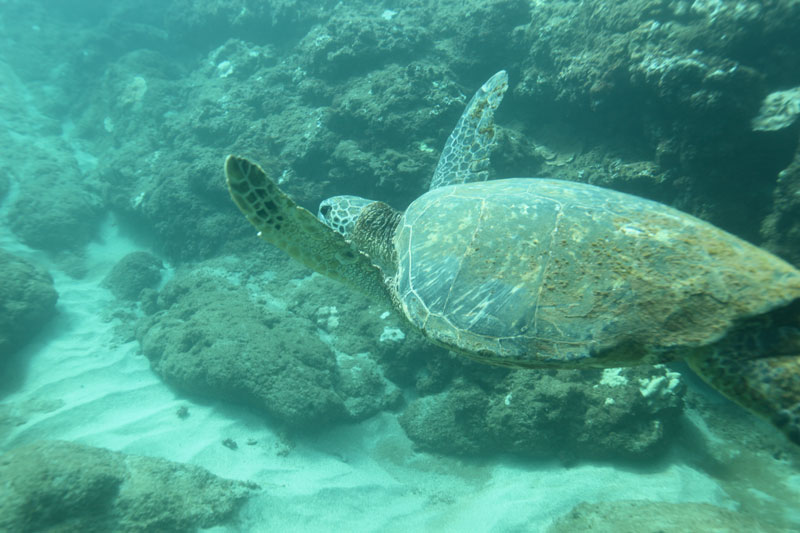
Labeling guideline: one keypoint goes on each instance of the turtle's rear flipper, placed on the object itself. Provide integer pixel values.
(768, 386)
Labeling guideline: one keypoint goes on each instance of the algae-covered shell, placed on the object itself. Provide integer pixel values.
(533, 272)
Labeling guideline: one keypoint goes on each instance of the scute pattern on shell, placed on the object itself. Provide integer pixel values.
(538, 272)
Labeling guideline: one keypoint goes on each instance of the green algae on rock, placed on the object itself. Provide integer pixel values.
(27, 301)
(64, 486)
(208, 338)
(132, 274)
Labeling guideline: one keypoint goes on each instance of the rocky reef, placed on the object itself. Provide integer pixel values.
(242, 337)
(613, 414)
(134, 273)
(27, 302)
(658, 99)
(266, 337)
(670, 100)
(64, 486)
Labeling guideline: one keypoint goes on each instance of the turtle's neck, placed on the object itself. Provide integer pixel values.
(374, 235)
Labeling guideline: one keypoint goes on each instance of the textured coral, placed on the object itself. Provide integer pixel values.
(63, 486)
(27, 301)
(620, 413)
(211, 338)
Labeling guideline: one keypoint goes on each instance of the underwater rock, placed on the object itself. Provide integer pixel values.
(64, 486)
(781, 227)
(385, 125)
(238, 59)
(199, 24)
(132, 274)
(178, 211)
(664, 517)
(361, 383)
(779, 110)
(617, 414)
(27, 301)
(55, 209)
(641, 178)
(484, 31)
(450, 422)
(173, 196)
(672, 83)
(360, 40)
(212, 339)
(364, 101)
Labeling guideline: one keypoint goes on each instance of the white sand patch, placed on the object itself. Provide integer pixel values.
(375, 482)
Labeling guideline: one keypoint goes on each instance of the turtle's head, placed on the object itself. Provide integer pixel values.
(367, 224)
(341, 213)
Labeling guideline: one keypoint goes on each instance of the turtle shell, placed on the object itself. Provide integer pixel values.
(537, 272)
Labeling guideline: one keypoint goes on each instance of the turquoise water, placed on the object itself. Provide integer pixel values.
(163, 369)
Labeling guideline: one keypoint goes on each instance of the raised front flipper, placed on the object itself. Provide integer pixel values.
(293, 229)
(465, 157)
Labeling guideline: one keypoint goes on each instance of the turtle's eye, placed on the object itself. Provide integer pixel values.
(325, 210)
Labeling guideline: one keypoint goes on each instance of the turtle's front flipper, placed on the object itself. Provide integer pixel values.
(465, 157)
(769, 386)
(280, 221)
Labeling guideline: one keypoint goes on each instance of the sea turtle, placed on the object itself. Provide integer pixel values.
(530, 272)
